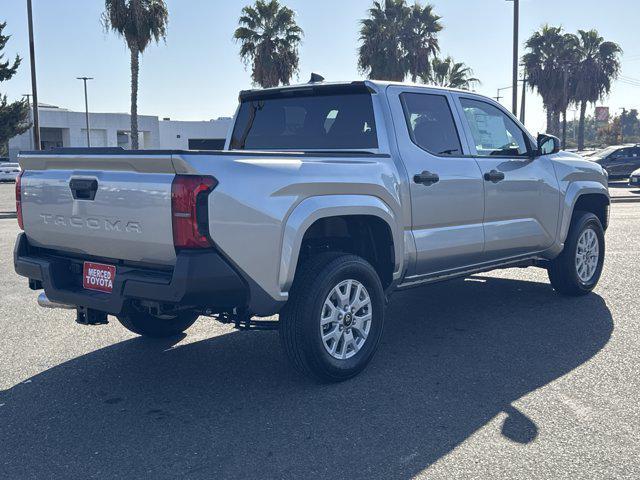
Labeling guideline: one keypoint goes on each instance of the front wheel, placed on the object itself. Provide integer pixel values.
(577, 269)
(147, 325)
(332, 324)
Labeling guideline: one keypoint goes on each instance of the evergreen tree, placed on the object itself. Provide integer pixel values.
(14, 117)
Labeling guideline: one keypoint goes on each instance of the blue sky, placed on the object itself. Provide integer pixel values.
(197, 74)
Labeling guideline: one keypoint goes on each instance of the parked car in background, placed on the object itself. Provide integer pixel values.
(9, 172)
(634, 178)
(618, 160)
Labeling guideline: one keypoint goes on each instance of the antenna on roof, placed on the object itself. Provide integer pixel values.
(316, 78)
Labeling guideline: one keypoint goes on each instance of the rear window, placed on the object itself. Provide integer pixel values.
(318, 122)
(430, 122)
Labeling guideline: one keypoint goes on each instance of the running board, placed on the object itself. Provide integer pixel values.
(520, 263)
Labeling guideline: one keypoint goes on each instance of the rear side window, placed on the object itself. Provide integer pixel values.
(430, 123)
(315, 122)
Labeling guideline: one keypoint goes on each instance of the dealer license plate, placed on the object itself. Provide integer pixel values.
(98, 277)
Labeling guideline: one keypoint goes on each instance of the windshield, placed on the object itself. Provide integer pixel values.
(313, 122)
(604, 152)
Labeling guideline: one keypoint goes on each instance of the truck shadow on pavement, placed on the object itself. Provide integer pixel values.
(454, 356)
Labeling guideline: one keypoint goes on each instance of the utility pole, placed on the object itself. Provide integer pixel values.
(524, 99)
(28, 97)
(34, 87)
(516, 23)
(565, 107)
(86, 107)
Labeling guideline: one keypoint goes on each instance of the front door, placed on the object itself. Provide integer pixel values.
(623, 162)
(446, 187)
(520, 192)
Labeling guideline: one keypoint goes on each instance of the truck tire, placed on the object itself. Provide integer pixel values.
(331, 326)
(147, 325)
(576, 271)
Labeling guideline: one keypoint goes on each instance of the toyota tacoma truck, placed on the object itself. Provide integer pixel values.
(327, 198)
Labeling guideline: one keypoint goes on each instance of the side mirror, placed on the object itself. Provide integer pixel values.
(548, 144)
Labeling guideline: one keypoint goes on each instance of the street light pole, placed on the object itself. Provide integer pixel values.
(86, 107)
(514, 82)
(498, 97)
(34, 87)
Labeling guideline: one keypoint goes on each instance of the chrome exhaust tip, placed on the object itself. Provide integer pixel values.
(44, 302)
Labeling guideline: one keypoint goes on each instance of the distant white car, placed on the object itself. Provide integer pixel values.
(9, 172)
(634, 178)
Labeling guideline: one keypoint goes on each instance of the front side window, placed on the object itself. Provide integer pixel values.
(494, 132)
(430, 123)
(311, 122)
(622, 153)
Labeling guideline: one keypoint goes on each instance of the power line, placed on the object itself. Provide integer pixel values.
(630, 79)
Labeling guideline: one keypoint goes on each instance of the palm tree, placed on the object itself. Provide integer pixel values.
(270, 39)
(397, 39)
(420, 38)
(382, 54)
(551, 53)
(139, 22)
(598, 64)
(448, 73)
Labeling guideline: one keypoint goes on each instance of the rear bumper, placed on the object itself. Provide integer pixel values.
(201, 279)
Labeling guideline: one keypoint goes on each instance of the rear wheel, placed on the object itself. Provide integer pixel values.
(577, 269)
(332, 324)
(147, 325)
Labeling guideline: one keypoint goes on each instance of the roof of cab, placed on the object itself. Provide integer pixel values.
(335, 87)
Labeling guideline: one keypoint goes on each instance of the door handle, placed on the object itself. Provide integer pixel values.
(83, 189)
(426, 178)
(494, 176)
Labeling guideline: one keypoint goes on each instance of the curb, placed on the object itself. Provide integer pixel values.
(625, 199)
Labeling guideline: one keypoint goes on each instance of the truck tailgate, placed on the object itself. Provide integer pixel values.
(121, 211)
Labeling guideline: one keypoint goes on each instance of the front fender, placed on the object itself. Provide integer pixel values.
(314, 208)
(574, 191)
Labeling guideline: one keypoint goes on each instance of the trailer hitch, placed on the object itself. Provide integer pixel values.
(243, 321)
(89, 316)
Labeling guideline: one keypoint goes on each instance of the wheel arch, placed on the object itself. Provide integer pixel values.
(587, 196)
(330, 211)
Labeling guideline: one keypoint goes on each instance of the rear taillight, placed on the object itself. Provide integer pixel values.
(19, 200)
(190, 210)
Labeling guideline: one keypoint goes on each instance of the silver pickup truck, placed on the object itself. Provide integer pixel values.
(327, 198)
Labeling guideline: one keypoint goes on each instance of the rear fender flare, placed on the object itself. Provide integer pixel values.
(314, 208)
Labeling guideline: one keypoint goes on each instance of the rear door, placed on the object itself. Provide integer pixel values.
(446, 187)
(521, 194)
(116, 207)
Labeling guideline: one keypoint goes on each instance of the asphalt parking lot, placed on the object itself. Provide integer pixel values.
(490, 377)
(7, 200)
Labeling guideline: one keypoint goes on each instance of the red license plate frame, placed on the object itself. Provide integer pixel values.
(98, 277)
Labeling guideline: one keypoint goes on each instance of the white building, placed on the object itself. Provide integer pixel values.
(64, 128)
